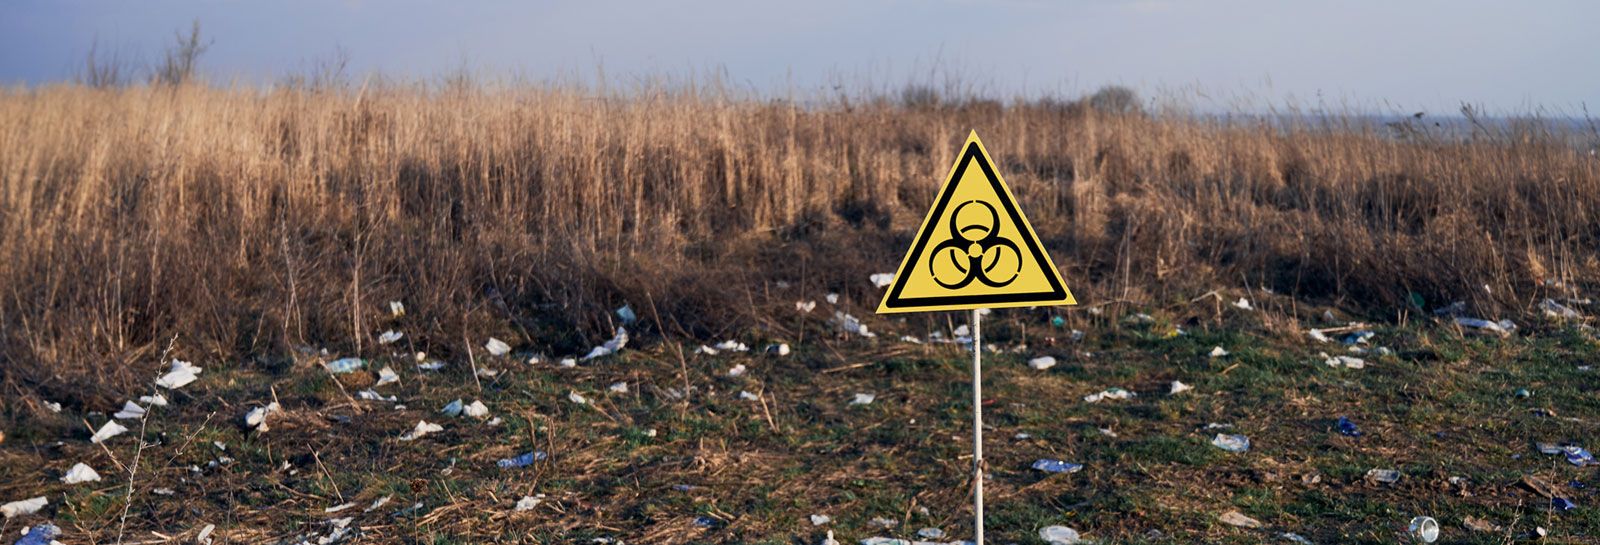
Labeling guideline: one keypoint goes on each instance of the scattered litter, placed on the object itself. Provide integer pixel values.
(880, 522)
(1243, 304)
(1060, 535)
(1557, 310)
(1296, 538)
(882, 280)
(527, 503)
(1316, 335)
(578, 398)
(1424, 529)
(730, 345)
(627, 315)
(737, 371)
(1058, 321)
(522, 460)
(610, 347)
(23, 507)
(497, 347)
(130, 410)
(884, 541)
(910, 339)
(833, 298)
(386, 376)
(204, 537)
(1522, 393)
(397, 309)
(805, 306)
(338, 508)
(453, 408)
(863, 399)
(1346, 427)
(256, 419)
(1502, 327)
(434, 365)
(745, 395)
(819, 520)
(1383, 476)
(1112, 393)
(1231, 442)
(1358, 337)
(80, 473)
(779, 349)
(1056, 466)
(1479, 525)
(1179, 387)
(1140, 318)
(1042, 362)
(476, 410)
(705, 522)
(618, 388)
(829, 540)
(1235, 518)
(849, 324)
(182, 374)
(56, 407)
(107, 431)
(1342, 361)
(1218, 352)
(43, 533)
(373, 395)
(165, 491)
(568, 362)
(1562, 504)
(390, 336)
(377, 503)
(1577, 456)
(930, 533)
(423, 428)
(156, 400)
(344, 365)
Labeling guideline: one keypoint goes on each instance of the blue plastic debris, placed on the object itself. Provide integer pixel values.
(627, 315)
(1577, 485)
(1056, 466)
(705, 522)
(1346, 427)
(1058, 321)
(1358, 337)
(1562, 504)
(1231, 443)
(1577, 456)
(40, 534)
(523, 460)
(344, 365)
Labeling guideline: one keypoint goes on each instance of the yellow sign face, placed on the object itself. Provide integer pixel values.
(975, 249)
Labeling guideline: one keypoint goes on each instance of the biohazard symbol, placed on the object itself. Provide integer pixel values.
(975, 249)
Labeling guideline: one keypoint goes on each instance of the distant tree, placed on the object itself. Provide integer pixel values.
(180, 62)
(1115, 99)
(102, 71)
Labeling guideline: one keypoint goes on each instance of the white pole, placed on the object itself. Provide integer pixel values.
(977, 429)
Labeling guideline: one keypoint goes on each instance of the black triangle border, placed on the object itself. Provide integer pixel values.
(972, 154)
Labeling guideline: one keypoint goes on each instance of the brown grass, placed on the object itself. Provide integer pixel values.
(250, 221)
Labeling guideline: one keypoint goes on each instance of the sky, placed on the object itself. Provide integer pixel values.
(1366, 55)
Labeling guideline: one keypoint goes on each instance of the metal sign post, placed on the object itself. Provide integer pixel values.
(977, 429)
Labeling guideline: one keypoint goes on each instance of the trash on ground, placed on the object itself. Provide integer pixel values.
(618, 340)
(43, 533)
(830, 540)
(1179, 387)
(578, 398)
(1056, 466)
(1060, 535)
(1479, 525)
(1058, 321)
(1383, 476)
(23, 507)
(1296, 538)
(1111, 393)
(626, 314)
(737, 370)
(1577, 456)
(380, 502)
(819, 520)
(130, 410)
(1562, 504)
(731, 345)
(885, 523)
(1346, 427)
(1342, 361)
(107, 431)
(80, 473)
(386, 376)
(1424, 529)
(373, 395)
(1042, 362)
(805, 306)
(1235, 518)
(833, 298)
(453, 408)
(882, 280)
(779, 349)
(423, 428)
(849, 324)
(1502, 327)
(745, 395)
(476, 410)
(1316, 335)
(344, 365)
(397, 309)
(1557, 310)
(497, 347)
(182, 374)
(522, 460)
(434, 365)
(527, 503)
(884, 541)
(1243, 304)
(256, 419)
(1218, 352)
(1231, 442)
(568, 362)
(390, 336)
(338, 508)
(1358, 337)
(863, 399)
(618, 388)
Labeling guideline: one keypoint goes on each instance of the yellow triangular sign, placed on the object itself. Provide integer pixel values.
(975, 249)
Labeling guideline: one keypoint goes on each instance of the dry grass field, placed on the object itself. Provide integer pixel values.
(247, 230)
